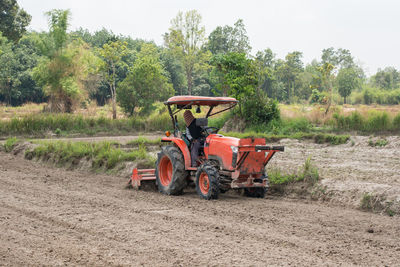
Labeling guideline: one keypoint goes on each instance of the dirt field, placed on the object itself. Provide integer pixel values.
(51, 216)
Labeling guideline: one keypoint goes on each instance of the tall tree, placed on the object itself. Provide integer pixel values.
(347, 81)
(185, 39)
(13, 20)
(145, 83)
(112, 54)
(229, 39)
(340, 58)
(65, 66)
(289, 71)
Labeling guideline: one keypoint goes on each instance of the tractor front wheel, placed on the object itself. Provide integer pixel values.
(207, 181)
(170, 171)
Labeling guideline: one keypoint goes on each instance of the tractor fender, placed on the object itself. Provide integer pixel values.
(182, 147)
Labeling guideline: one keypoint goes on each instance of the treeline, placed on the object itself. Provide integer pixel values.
(71, 68)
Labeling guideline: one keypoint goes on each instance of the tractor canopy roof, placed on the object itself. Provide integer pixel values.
(200, 100)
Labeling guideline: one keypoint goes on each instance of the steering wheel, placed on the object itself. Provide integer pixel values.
(210, 130)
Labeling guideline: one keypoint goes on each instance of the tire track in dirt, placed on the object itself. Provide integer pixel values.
(51, 216)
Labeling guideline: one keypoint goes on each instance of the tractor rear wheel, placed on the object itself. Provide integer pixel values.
(170, 171)
(256, 192)
(207, 186)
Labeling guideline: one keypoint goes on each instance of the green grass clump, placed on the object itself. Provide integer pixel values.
(103, 154)
(10, 143)
(379, 142)
(308, 173)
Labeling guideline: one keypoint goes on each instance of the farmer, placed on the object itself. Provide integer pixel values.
(195, 132)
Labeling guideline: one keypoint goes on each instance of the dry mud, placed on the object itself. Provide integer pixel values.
(52, 216)
(349, 171)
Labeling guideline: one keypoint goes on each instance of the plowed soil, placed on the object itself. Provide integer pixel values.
(51, 216)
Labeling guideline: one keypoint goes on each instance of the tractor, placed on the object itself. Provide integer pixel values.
(222, 162)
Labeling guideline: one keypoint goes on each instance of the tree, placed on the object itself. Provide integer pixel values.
(388, 78)
(145, 83)
(65, 65)
(347, 81)
(185, 39)
(340, 58)
(288, 72)
(327, 77)
(229, 39)
(17, 61)
(112, 54)
(13, 20)
(234, 75)
(8, 75)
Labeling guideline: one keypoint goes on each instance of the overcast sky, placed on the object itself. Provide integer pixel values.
(369, 29)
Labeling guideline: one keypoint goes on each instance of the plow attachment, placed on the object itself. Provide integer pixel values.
(138, 176)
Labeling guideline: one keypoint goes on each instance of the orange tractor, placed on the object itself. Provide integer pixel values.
(222, 162)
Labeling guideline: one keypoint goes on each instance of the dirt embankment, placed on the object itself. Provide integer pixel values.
(51, 216)
(353, 174)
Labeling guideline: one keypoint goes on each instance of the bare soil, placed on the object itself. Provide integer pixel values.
(350, 170)
(51, 216)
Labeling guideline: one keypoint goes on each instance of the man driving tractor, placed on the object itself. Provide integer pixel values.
(195, 133)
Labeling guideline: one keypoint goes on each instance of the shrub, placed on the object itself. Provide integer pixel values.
(260, 110)
(10, 143)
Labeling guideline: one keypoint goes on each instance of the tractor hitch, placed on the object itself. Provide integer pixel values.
(141, 175)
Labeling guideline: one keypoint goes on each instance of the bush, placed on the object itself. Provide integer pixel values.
(10, 143)
(260, 110)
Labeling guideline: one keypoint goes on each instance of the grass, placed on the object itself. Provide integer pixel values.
(297, 121)
(10, 143)
(378, 143)
(103, 154)
(308, 173)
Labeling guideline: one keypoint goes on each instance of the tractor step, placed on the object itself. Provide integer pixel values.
(141, 175)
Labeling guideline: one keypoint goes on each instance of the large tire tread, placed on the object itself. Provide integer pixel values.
(213, 175)
(179, 175)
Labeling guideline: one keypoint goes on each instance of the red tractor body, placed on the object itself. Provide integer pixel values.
(224, 162)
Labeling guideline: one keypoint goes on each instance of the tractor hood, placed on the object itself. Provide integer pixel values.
(227, 150)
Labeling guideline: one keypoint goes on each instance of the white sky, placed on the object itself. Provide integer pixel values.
(369, 29)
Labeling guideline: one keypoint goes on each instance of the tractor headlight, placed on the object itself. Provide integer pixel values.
(234, 155)
(234, 149)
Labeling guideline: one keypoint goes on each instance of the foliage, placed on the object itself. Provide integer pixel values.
(10, 143)
(103, 154)
(229, 39)
(13, 20)
(259, 109)
(370, 95)
(185, 39)
(234, 75)
(308, 173)
(388, 78)
(66, 64)
(145, 84)
(347, 82)
(379, 142)
(112, 54)
(375, 121)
